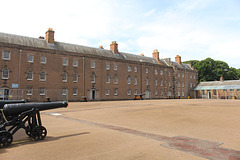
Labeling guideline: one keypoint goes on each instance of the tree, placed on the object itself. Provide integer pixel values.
(211, 70)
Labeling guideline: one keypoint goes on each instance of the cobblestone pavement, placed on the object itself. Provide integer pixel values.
(151, 129)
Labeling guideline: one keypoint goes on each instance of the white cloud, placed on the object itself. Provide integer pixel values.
(149, 13)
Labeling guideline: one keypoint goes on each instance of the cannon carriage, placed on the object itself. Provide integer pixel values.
(24, 115)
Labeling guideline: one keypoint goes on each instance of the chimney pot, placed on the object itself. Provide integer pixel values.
(114, 47)
(101, 47)
(50, 35)
(178, 59)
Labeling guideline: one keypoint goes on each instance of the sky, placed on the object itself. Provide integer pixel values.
(193, 29)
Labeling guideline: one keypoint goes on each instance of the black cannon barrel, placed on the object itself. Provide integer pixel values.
(2, 103)
(18, 108)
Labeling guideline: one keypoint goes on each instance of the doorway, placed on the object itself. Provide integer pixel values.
(209, 94)
(4, 93)
(147, 94)
(93, 94)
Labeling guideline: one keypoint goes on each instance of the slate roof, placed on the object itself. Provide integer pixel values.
(227, 84)
(42, 43)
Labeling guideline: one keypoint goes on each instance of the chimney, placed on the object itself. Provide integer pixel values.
(40, 37)
(101, 47)
(155, 54)
(178, 59)
(50, 36)
(142, 54)
(114, 47)
(221, 79)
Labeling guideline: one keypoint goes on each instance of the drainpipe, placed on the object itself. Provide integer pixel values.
(19, 70)
(84, 76)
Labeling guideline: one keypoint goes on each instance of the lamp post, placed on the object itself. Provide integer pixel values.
(19, 71)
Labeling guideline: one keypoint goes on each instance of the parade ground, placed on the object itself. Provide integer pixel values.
(189, 129)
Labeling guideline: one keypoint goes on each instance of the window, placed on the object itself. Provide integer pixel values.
(178, 84)
(135, 69)
(169, 74)
(194, 77)
(92, 64)
(30, 58)
(183, 84)
(161, 92)
(135, 92)
(115, 79)
(29, 75)
(107, 66)
(231, 90)
(107, 92)
(75, 78)
(42, 76)
(156, 82)
(115, 91)
(203, 92)
(183, 93)
(161, 82)
(147, 81)
(190, 85)
(238, 90)
(179, 93)
(75, 91)
(161, 72)
(178, 74)
(5, 74)
(107, 79)
(190, 76)
(64, 77)
(42, 91)
(183, 75)
(93, 77)
(65, 62)
(224, 90)
(129, 69)
(64, 91)
(214, 92)
(75, 63)
(129, 92)
(156, 72)
(169, 83)
(135, 81)
(146, 70)
(129, 80)
(115, 67)
(6, 55)
(43, 60)
(156, 93)
(29, 91)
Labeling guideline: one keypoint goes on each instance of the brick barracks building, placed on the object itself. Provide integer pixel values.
(36, 68)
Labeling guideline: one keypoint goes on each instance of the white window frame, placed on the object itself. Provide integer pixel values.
(42, 72)
(146, 70)
(4, 55)
(135, 81)
(161, 92)
(156, 71)
(64, 77)
(115, 67)
(178, 84)
(135, 69)
(43, 59)
(169, 73)
(129, 80)
(75, 63)
(156, 82)
(156, 92)
(93, 78)
(115, 91)
(75, 77)
(129, 68)
(183, 93)
(29, 75)
(107, 79)
(147, 81)
(5, 73)
(107, 92)
(182, 74)
(191, 85)
(178, 74)
(161, 82)
(64, 91)
(182, 84)
(190, 75)
(115, 80)
(29, 91)
(92, 64)
(169, 83)
(65, 61)
(75, 91)
(42, 91)
(107, 67)
(135, 92)
(161, 72)
(129, 92)
(30, 58)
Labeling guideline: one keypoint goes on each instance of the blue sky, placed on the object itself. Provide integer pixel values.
(194, 29)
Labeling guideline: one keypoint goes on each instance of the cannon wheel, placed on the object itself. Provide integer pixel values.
(39, 133)
(5, 138)
(28, 130)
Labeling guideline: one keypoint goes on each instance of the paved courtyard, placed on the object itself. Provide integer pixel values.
(133, 130)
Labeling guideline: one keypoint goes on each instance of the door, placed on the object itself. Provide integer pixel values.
(147, 94)
(209, 94)
(4, 93)
(93, 94)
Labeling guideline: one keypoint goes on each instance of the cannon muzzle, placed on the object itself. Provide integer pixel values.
(16, 109)
(2, 103)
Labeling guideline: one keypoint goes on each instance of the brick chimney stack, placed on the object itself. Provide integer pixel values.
(221, 79)
(155, 54)
(50, 35)
(114, 47)
(178, 59)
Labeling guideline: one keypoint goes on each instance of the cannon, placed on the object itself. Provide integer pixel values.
(24, 115)
(2, 103)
